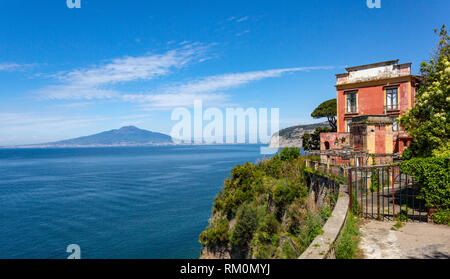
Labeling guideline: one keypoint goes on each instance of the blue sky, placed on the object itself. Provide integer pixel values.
(71, 72)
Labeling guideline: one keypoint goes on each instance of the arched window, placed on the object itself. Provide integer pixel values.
(327, 145)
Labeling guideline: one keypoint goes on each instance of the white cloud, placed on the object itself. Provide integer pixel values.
(94, 82)
(242, 19)
(12, 67)
(8, 66)
(227, 81)
(242, 33)
(238, 19)
(99, 81)
(74, 105)
(172, 100)
(206, 89)
(76, 92)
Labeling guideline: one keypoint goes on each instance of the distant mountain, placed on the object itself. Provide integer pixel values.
(124, 136)
(292, 136)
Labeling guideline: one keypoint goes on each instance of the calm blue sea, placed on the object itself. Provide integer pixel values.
(133, 202)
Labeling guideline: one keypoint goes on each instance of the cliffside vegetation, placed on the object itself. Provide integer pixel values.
(262, 211)
(428, 122)
(347, 245)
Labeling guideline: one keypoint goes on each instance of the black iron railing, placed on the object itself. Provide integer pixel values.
(384, 193)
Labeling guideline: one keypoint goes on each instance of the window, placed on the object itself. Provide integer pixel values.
(348, 125)
(394, 124)
(392, 99)
(351, 103)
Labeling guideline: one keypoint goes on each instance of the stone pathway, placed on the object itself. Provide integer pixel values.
(412, 241)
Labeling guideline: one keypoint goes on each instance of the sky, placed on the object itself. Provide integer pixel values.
(66, 72)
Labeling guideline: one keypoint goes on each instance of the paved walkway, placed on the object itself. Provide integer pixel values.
(412, 241)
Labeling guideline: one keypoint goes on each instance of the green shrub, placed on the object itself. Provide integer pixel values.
(442, 217)
(273, 167)
(239, 189)
(356, 208)
(267, 200)
(262, 250)
(314, 158)
(269, 225)
(287, 252)
(433, 177)
(216, 234)
(288, 154)
(297, 213)
(313, 227)
(276, 240)
(403, 215)
(283, 194)
(374, 178)
(333, 199)
(246, 225)
(325, 213)
(397, 225)
(347, 246)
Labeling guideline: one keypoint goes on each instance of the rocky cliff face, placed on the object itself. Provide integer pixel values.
(268, 210)
(319, 195)
(292, 136)
(320, 192)
(220, 253)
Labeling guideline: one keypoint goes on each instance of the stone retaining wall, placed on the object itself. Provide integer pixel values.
(322, 246)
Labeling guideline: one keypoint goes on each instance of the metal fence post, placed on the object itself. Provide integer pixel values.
(378, 194)
(393, 193)
(350, 184)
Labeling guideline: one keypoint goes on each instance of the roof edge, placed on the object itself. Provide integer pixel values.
(389, 62)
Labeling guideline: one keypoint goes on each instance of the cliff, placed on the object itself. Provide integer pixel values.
(292, 136)
(269, 210)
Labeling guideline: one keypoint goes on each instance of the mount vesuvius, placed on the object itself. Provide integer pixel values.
(125, 136)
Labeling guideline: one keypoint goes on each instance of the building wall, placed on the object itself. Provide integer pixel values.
(370, 82)
(373, 138)
(334, 140)
(371, 100)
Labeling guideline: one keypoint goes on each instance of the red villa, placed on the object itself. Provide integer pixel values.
(370, 99)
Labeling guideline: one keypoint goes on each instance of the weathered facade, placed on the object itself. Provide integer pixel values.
(370, 99)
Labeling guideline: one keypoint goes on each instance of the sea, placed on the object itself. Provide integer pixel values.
(113, 203)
